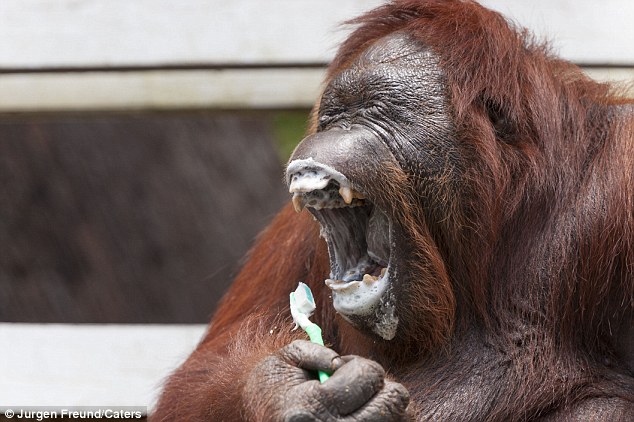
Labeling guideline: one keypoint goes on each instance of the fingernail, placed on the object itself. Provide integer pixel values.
(336, 363)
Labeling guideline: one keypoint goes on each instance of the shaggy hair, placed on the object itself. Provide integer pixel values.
(535, 258)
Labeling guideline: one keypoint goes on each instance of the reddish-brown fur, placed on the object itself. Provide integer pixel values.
(537, 251)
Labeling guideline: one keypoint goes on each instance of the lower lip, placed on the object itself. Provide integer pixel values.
(358, 297)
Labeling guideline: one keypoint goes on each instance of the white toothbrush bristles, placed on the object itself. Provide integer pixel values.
(302, 305)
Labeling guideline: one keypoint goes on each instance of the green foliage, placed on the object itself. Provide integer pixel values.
(289, 127)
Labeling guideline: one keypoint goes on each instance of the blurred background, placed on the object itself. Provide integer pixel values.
(142, 141)
(142, 145)
(139, 216)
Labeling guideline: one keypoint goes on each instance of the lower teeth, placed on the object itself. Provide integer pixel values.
(367, 278)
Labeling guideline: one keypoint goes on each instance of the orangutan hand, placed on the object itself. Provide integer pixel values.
(284, 387)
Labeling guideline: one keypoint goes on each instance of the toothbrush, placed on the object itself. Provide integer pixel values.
(302, 307)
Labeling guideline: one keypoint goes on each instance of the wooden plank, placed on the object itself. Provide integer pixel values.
(56, 365)
(236, 88)
(45, 33)
(622, 77)
(36, 34)
(162, 90)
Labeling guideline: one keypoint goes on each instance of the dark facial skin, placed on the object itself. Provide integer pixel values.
(393, 97)
(387, 110)
(396, 90)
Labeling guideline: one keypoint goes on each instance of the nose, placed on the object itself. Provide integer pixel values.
(331, 149)
(312, 174)
(336, 151)
(315, 173)
(336, 165)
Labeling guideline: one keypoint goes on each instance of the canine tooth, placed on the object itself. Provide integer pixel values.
(346, 194)
(383, 271)
(298, 202)
(369, 279)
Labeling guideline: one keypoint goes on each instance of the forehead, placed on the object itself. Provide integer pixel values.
(393, 57)
(397, 48)
(397, 64)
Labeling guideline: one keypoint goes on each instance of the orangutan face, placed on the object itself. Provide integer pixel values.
(384, 146)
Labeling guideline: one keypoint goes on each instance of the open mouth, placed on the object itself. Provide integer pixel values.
(358, 235)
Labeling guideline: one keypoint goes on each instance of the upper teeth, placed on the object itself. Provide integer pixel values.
(346, 194)
(308, 185)
(319, 199)
(298, 202)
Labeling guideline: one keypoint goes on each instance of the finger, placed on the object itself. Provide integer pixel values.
(349, 358)
(390, 404)
(354, 384)
(299, 415)
(311, 356)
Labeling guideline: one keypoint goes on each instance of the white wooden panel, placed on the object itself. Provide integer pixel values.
(56, 365)
(623, 77)
(584, 31)
(232, 89)
(37, 33)
(50, 33)
(236, 88)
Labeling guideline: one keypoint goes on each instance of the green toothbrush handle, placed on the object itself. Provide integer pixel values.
(314, 333)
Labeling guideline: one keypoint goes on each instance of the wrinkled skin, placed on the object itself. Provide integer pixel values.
(285, 388)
